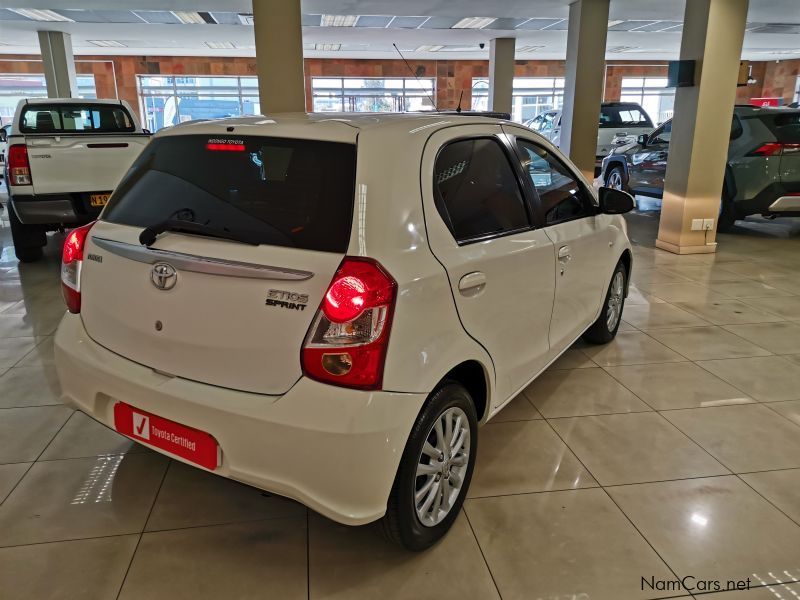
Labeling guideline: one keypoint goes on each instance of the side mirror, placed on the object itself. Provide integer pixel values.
(642, 140)
(615, 202)
(3, 135)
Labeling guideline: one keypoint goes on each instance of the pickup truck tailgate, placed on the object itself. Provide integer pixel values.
(81, 162)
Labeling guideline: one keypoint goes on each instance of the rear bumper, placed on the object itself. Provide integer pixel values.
(333, 449)
(53, 209)
(778, 199)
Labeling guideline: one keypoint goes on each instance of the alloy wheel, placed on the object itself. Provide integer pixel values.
(615, 298)
(442, 466)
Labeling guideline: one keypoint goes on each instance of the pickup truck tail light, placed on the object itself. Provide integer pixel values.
(71, 263)
(19, 168)
(775, 149)
(348, 338)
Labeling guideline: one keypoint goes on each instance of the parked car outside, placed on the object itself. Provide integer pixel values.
(620, 123)
(64, 157)
(762, 175)
(286, 302)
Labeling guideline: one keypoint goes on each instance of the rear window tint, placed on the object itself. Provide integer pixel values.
(786, 127)
(286, 192)
(75, 118)
(623, 116)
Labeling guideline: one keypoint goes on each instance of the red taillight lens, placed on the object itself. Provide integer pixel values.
(71, 261)
(19, 169)
(346, 344)
(768, 149)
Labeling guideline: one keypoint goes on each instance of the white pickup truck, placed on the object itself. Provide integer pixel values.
(64, 158)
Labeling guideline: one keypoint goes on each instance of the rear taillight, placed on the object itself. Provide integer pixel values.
(346, 344)
(774, 149)
(19, 169)
(71, 262)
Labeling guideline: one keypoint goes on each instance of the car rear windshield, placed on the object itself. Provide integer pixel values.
(786, 127)
(75, 118)
(623, 116)
(283, 192)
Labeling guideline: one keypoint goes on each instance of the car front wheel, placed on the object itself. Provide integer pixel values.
(615, 178)
(435, 470)
(605, 328)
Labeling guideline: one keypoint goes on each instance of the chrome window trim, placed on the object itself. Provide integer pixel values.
(200, 264)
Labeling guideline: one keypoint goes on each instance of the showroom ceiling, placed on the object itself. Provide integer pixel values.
(638, 29)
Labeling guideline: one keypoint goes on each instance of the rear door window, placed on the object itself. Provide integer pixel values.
(477, 192)
(787, 128)
(623, 116)
(285, 192)
(75, 118)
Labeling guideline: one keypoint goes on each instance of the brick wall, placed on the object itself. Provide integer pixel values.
(452, 76)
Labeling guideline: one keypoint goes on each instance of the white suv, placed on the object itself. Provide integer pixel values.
(328, 307)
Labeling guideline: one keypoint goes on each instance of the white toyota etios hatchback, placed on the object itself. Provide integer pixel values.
(328, 307)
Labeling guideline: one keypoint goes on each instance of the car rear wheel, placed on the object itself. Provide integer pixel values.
(605, 328)
(615, 178)
(435, 470)
(28, 239)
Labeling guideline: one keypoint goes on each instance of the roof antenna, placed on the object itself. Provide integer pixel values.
(433, 103)
(460, 98)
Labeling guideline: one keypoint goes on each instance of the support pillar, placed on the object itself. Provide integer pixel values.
(59, 64)
(583, 86)
(713, 32)
(501, 74)
(279, 55)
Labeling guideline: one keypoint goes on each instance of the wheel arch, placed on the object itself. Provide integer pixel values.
(626, 258)
(615, 161)
(475, 378)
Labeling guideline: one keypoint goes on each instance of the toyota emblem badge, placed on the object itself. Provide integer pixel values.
(164, 276)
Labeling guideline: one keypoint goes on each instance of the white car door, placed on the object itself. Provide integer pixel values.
(499, 265)
(582, 241)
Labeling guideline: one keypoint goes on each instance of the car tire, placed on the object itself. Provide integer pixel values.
(615, 178)
(28, 239)
(604, 329)
(727, 216)
(429, 477)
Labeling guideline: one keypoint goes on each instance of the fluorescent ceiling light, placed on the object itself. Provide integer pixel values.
(620, 49)
(529, 48)
(474, 23)
(190, 17)
(40, 15)
(617, 22)
(429, 48)
(220, 45)
(246, 18)
(339, 20)
(108, 43)
(327, 47)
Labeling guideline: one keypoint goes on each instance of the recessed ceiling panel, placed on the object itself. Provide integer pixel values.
(440, 22)
(373, 21)
(407, 22)
(312, 20)
(507, 24)
(660, 26)
(537, 24)
(158, 16)
(226, 18)
(628, 25)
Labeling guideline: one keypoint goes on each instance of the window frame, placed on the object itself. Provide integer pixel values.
(514, 164)
(60, 106)
(657, 131)
(538, 205)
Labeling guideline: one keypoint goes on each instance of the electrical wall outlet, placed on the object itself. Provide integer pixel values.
(708, 224)
(697, 224)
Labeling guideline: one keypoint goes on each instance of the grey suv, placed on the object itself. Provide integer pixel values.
(762, 175)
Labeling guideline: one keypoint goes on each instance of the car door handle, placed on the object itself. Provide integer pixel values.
(564, 254)
(472, 282)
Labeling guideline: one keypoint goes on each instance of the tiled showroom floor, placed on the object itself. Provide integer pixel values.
(673, 451)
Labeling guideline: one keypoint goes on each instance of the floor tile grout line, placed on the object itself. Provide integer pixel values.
(11, 491)
(767, 500)
(144, 527)
(52, 439)
(698, 363)
(612, 500)
(480, 549)
(308, 555)
(767, 404)
(154, 531)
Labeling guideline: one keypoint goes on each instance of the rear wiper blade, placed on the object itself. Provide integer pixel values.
(149, 234)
